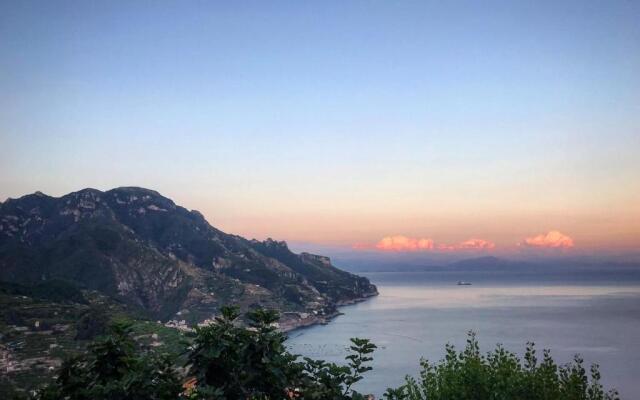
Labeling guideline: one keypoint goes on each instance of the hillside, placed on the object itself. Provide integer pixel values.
(142, 249)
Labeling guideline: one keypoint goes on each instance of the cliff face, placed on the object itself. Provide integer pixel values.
(138, 246)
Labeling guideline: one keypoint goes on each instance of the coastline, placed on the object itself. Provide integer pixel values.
(304, 321)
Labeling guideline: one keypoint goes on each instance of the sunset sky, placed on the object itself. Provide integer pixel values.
(381, 126)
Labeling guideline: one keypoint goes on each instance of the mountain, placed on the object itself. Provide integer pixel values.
(139, 247)
(488, 263)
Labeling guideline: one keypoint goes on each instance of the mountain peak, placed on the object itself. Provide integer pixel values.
(85, 192)
(134, 244)
(276, 243)
(136, 190)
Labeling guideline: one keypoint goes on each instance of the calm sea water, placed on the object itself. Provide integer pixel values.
(417, 313)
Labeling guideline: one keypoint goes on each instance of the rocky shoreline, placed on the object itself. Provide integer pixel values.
(291, 321)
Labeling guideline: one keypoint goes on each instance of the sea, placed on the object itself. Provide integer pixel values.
(593, 314)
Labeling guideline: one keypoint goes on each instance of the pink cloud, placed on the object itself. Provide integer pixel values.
(477, 244)
(471, 244)
(403, 243)
(553, 239)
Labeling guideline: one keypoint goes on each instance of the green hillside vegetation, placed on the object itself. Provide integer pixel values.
(229, 361)
(140, 248)
(40, 327)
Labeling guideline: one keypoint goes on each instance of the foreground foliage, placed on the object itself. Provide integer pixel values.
(501, 375)
(116, 368)
(225, 361)
(233, 362)
(230, 361)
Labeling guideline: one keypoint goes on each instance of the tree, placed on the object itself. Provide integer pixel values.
(229, 361)
(114, 368)
(324, 380)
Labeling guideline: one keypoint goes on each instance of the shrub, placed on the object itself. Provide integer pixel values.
(501, 375)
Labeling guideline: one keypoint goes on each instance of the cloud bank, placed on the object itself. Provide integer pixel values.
(477, 244)
(552, 239)
(403, 243)
(400, 243)
(471, 244)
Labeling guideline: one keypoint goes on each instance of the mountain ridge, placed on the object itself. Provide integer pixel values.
(138, 246)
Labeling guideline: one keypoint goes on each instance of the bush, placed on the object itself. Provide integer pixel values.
(501, 375)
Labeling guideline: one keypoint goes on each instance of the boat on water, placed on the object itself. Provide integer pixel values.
(462, 283)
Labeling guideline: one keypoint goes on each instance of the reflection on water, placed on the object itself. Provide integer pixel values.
(413, 318)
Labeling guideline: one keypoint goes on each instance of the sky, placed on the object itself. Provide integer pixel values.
(383, 126)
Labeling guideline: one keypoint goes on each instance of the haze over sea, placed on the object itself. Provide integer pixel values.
(592, 312)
